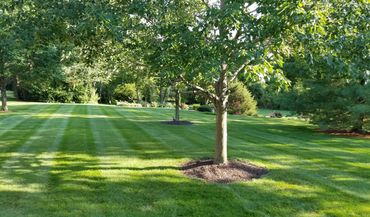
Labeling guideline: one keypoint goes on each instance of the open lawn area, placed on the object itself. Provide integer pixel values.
(91, 160)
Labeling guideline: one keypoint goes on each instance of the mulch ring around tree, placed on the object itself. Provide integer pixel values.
(177, 122)
(346, 133)
(234, 171)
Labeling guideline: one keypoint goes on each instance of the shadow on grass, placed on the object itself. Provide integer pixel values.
(310, 170)
(76, 188)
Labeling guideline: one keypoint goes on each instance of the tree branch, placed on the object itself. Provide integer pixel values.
(206, 4)
(208, 93)
(237, 34)
(240, 69)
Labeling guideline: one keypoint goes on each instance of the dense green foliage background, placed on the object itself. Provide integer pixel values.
(315, 59)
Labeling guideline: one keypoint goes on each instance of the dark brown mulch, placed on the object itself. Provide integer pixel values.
(177, 122)
(346, 133)
(234, 171)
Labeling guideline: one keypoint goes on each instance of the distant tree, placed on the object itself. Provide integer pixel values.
(334, 50)
(8, 46)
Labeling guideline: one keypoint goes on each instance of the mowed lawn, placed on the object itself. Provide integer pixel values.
(86, 160)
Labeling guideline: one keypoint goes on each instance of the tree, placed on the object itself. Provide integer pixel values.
(41, 36)
(334, 50)
(212, 44)
(8, 24)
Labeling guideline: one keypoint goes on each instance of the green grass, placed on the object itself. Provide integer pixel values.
(10, 95)
(80, 160)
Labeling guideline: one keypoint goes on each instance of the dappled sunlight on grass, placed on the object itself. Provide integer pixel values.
(79, 160)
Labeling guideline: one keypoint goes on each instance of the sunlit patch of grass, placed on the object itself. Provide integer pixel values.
(90, 160)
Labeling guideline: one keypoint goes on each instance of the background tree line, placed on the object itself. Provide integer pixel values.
(311, 57)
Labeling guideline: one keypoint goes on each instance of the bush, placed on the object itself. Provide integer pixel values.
(169, 105)
(125, 92)
(276, 115)
(145, 104)
(339, 105)
(166, 105)
(128, 104)
(241, 101)
(183, 106)
(154, 104)
(59, 95)
(195, 107)
(88, 95)
(205, 108)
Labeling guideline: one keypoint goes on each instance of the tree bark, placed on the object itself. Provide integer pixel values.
(4, 102)
(161, 95)
(221, 88)
(221, 134)
(100, 91)
(138, 100)
(359, 125)
(15, 87)
(178, 102)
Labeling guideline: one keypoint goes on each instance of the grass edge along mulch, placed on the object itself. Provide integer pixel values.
(233, 171)
(183, 123)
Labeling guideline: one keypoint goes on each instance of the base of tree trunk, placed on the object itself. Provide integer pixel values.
(174, 122)
(4, 110)
(233, 171)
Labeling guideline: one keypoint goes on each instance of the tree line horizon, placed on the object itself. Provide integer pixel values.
(307, 56)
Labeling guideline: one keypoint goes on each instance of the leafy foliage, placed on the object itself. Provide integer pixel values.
(125, 92)
(81, 51)
(205, 108)
(337, 105)
(241, 101)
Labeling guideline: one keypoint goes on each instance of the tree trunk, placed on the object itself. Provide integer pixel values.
(4, 102)
(161, 95)
(221, 88)
(15, 87)
(100, 91)
(221, 134)
(165, 95)
(177, 101)
(138, 100)
(359, 125)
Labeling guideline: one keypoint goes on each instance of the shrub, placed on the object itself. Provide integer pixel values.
(154, 104)
(88, 95)
(125, 92)
(276, 115)
(195, 107)
(340, 105)
(166, 105)
(184, 106)
(205, 108)
(128, 104)
(60, 95)
(169, 105)
(145, 104)
(241, 101)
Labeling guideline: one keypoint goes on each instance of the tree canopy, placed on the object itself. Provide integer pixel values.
(81, 51)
